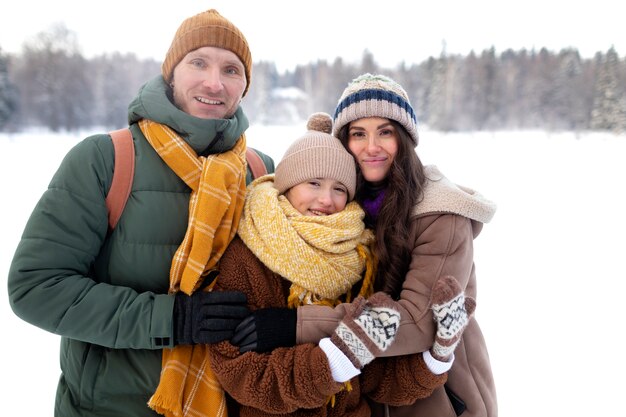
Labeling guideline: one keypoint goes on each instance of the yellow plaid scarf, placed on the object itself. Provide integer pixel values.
(323, 256)
(188, 386)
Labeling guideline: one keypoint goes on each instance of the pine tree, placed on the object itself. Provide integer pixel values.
(8, 93)
(568, 105)
(54, 81)
(608, 106)
(438, 95)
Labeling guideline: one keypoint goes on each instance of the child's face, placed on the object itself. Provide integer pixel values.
(318, 197)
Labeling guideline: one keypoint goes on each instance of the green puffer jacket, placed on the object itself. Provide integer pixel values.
(107, 297)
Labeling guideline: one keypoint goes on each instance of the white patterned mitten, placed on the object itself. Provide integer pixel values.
(368, 330)
(452, 312)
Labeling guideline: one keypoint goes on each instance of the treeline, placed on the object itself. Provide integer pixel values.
(50, 84)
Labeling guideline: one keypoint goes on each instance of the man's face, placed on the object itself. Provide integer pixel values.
(208, 83)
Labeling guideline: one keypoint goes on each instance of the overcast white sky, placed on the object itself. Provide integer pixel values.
(296, 32)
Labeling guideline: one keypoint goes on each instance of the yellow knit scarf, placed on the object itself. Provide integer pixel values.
(322, 256)
(188, 386)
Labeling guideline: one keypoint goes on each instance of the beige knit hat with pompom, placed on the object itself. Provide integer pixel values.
(316, 154)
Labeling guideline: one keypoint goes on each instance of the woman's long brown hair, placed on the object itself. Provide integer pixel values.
(403, 189)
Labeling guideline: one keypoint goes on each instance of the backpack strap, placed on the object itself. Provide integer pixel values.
(123, 173)
(257, 167)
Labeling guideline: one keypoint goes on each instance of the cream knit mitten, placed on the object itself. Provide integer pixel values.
(368, 330)
(452, 312)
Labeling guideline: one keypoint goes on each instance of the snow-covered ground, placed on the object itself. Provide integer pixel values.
(549, 265)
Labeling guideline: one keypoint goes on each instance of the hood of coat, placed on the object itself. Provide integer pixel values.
(443, 196)
(152, 103)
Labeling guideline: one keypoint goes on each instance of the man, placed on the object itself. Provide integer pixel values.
(130, 303)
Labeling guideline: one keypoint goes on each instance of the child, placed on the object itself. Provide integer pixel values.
(302, 241)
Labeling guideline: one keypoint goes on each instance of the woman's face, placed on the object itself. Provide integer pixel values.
(374, 143)
(318, 197)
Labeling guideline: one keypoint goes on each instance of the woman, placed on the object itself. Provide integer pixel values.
(424, 227)
(301, 242)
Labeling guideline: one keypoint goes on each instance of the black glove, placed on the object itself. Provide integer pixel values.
(207, 317)
(266, 329)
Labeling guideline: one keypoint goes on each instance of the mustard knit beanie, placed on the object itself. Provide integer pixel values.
(316, 154)
(207, 29)
(375, 96)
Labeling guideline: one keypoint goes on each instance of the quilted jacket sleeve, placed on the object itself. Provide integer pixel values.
(51, 282)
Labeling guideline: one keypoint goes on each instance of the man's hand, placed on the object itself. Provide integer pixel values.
(207, 317)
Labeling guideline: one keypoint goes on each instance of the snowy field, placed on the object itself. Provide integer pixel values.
(551, 281)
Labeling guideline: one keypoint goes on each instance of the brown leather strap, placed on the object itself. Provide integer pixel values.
(257, 167)
(123, 173)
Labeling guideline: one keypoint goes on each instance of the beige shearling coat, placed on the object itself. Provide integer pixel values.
(444, 225)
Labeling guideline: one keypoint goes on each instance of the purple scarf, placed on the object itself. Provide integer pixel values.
(372, 205)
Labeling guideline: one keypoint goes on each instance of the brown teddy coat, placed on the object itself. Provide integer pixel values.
(297, 381)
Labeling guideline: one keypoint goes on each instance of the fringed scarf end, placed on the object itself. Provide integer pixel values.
(165, 405)
(299, 296)
(367, 288)
(332, 399)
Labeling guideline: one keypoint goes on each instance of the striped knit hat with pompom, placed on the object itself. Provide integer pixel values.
(375, 96)
(316, 154)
